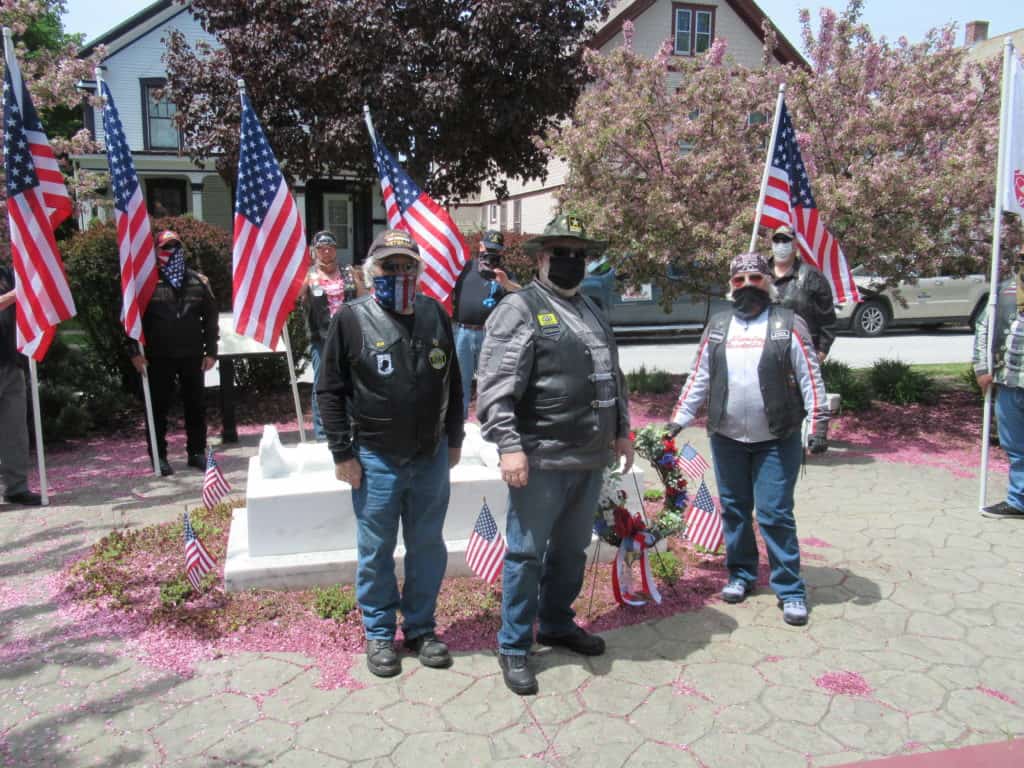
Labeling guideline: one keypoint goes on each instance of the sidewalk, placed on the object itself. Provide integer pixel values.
(914, 645)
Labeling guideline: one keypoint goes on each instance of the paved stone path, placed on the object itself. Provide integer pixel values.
(915, 644)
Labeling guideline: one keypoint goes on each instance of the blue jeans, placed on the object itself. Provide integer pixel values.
(763, 474)
(316, 353)
(417, 495)
(1010, 418)
(549, 526)
(467, 349)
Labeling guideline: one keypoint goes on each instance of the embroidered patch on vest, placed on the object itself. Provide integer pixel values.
(384, 365)
(779, 334)
(380, 344)
(547, 319)
(437, 358)
(716, 337)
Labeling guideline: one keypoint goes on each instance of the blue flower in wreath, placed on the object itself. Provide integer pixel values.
(679, 500)
(667, 459)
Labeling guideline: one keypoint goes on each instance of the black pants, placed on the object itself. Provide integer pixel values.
(188, 371)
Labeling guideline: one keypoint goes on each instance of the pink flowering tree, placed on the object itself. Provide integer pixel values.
(666, 156)
(50, 66)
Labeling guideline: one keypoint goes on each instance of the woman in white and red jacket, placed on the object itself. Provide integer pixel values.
(757, 370)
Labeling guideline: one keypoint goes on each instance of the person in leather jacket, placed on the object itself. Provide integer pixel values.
(552, 396)
(391, 402)
(804, 289)
(180, 344)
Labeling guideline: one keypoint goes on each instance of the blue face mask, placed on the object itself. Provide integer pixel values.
(396, 293)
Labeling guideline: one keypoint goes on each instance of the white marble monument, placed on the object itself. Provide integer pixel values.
(298, 527)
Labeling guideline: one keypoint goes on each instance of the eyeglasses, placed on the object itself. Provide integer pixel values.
(398, 267)
(568, 253)
(782, 239)
(754, 278)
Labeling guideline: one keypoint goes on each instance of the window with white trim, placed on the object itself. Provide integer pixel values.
(693, 28)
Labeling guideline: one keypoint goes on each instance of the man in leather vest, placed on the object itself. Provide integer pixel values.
(180, 327)
(758, 373)
(391, 403)
(804, 289)
(1005, 334)
(552, 397)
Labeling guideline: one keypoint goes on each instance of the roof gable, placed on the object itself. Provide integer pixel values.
(135, 26)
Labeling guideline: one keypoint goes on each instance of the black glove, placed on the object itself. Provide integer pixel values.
(817, 444)
(672, 429)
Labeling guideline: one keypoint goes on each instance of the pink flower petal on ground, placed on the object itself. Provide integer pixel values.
(844, 683)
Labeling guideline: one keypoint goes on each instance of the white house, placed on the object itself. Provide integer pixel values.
(172, 184)
(692, 27)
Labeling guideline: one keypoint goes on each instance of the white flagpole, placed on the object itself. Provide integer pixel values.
(767, 166)
(369, 123)
(37, 418)
(144, 374)
(993, 288)
(285, 335)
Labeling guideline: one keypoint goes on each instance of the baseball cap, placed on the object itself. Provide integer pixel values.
(391, 242)
(785, 230)
(749, 262)
(493, 240)
(166, 238)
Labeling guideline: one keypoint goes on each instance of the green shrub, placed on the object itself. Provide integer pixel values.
(665, 566)
(853, 391)
(333, 602)
(896, 382)
(174, 593)
(970, 380)
(652, 382)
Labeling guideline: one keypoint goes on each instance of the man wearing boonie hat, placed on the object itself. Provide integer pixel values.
(181, 334)
(552, 397)
(758, 373)
(804, 289)
(481, 285)
(391, 403)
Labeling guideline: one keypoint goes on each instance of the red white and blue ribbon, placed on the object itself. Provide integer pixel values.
(622, 572)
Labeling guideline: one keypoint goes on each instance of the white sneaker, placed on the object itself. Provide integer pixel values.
(794, 612)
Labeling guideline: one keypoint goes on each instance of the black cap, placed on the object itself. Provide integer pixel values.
(493, 240)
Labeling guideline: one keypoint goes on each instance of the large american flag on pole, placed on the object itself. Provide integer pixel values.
(788, 200)
(37, 202)
(134, 238)
(442, 246)
(198, 562)
(485, 554)
(704, 523)
(270, 242)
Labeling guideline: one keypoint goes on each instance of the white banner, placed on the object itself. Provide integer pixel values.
(1013, 173)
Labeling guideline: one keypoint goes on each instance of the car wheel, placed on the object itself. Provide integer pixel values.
(870, 319)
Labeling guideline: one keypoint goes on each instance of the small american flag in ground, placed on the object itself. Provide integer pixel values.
(134, 239)
(692, 463)
(198, 562)
(788, 200)
(37, 202)
(485, 554)
(704, 523)
(215, 485)
(442, 246)
(269, 252)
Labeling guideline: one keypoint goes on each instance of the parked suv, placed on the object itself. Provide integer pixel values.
(925, 301)
(638, 311)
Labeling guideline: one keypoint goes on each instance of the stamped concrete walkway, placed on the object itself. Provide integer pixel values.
(914, 645)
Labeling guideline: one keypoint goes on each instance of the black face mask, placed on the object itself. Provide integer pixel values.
(748, 302)
(566, 270)
(487, 263)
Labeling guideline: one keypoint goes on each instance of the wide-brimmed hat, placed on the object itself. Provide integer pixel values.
(566, 225)
(391, 242)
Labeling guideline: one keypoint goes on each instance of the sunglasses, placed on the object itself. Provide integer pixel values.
(754, 278)
(568, 253)
(782, 239)
(398, 267)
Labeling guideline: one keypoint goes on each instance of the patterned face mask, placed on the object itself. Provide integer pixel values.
(396, 293)
(172, 265)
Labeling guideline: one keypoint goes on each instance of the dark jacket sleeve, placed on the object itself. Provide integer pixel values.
(211, 328)
(454, 425)
(334, 386)
(824, 307)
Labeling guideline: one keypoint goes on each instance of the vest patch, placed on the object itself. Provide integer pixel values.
(437, 358)
(385, 367)
(379, 344)
(547, 319)
(780, 334)
(716, 337)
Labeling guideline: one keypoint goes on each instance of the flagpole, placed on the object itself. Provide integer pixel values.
(767, 167)
(993, 288)
(369, 123)
(144, 373)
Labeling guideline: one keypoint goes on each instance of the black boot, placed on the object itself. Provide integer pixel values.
(382, 659)
(518, 676)
(431, 651)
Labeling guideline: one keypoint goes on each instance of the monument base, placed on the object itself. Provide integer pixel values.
(304, 570)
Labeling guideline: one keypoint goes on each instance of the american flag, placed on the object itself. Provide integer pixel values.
(788, 200)
(270, 242)
(692, 463)
(442, 246)
(485, 554)
(704, 523)
(215, 485)
(134, 239)
(198, 562)
(37, 202)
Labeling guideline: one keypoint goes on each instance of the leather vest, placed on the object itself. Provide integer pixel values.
(401, 383)
(572, 391)
(783, 401)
